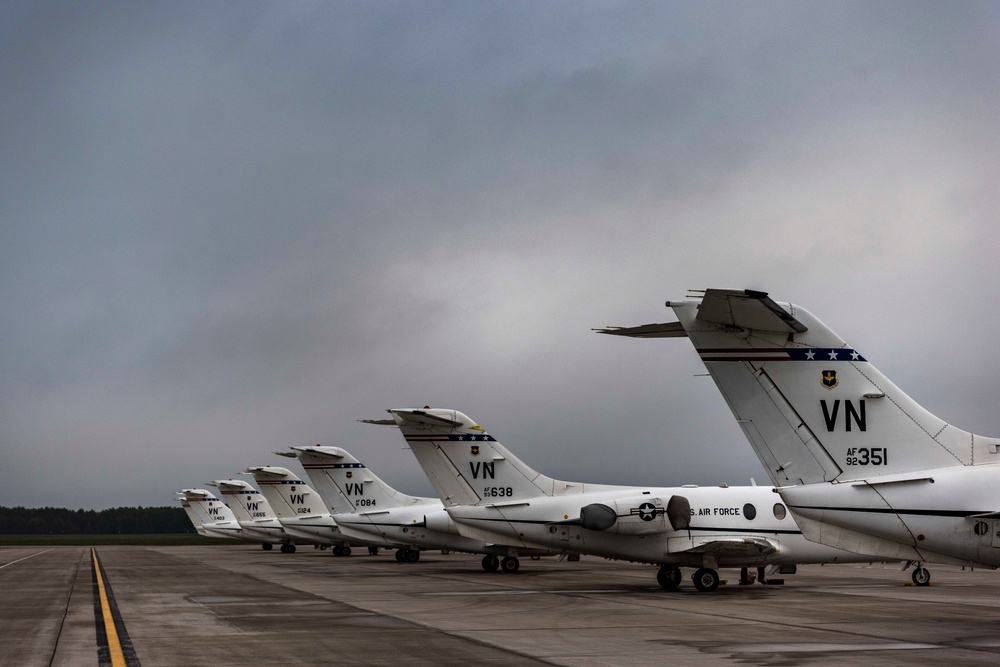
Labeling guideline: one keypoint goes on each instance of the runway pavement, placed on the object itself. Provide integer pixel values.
(237, 605)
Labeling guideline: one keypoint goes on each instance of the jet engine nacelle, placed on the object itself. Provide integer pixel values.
(440, 521)
(641, 515)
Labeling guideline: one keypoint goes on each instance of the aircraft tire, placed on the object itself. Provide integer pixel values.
(291, 548)
(345, 551)
(267, 546)
(490, 563)
(412, 555)
(921, 576)
(706, 580)
(400, 556)
(668, 577)
(284, 548)
(510, 565)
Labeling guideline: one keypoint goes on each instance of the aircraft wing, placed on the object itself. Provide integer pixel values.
(723, 545)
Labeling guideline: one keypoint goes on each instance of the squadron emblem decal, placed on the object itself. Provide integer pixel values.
(474, 450)
(830, 379)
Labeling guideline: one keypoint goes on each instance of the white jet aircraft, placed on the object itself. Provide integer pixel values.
(366, 506)
(192, 514)
(860, 464)
(302, 512)
(211, 517)
(254, 513)
(493, 496)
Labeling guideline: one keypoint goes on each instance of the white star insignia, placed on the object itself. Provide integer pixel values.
(854, 355)
(810, 355)
(833, 355)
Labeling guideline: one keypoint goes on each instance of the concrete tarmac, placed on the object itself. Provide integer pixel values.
(237, 605)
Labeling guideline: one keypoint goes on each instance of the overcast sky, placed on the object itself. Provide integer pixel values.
(230, 228)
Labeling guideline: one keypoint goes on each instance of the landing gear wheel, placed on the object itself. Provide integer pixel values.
(412, 555)
(400, 556)
(921, 576)
(490, 563)
(291, 548)
(267, 546)
(668, 577)
(373, 551)
(345, 551)
(284, 548)
(706, 580)
(510, 565)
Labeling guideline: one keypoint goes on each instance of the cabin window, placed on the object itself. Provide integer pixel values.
(750, 512)
(779, 511)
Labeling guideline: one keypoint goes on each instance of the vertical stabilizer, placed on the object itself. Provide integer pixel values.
(813, 408)
(289, 496)
(464, 463)
(346, 484)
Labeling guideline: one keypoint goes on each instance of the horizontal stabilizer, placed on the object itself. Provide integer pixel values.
(379, 422)
(747, 309)
(663, 330)
(329, 452)
(421, 418)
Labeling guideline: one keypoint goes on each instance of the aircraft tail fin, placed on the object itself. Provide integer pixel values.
(289, 496)
(813, 408)
(347, 484)
(246, 502)
(464, 463)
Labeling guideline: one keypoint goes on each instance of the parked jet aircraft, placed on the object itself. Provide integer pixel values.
(492, 495)
(192, 514)
(302, 512)
(861, 464)
(365, 506)
(213, 518)
(208, 514)
(253, 512)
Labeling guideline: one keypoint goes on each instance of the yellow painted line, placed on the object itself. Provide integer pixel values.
(114, 645)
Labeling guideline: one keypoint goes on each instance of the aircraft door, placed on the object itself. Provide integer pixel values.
(995, 525)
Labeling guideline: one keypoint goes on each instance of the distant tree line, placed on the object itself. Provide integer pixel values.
(118, 520)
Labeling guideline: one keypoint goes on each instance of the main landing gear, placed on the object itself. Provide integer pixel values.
(287, 548)
(339, 550)
(509, 565)
(267, 546)
(704, 579)
(407, 555)
(668, 577)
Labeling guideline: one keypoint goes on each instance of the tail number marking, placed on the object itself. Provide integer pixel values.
(867, 456)
(851, 414)
(486, 468)
(498, 492)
